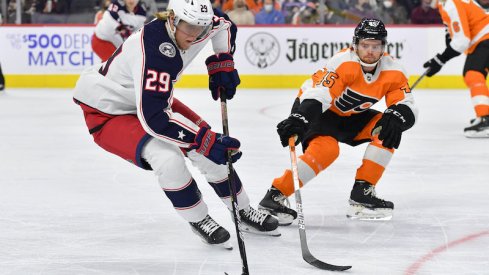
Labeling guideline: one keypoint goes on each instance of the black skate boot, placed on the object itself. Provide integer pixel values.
(277, 204)
(365, 205)
(479, 128)
(211, 232)
(258, 222)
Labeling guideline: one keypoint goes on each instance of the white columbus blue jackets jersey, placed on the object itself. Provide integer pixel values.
(117, 15)
(140, 76)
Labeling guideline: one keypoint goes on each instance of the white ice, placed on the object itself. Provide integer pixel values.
(68, 207)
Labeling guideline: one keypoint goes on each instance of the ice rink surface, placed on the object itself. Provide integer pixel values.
(68, 207)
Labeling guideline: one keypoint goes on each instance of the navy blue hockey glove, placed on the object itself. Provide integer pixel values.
(390, 126)
(295, 124)
(223, 77)
(215, 146)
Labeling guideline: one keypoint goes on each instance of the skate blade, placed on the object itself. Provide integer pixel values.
(477, 134)
(283, 218)
(251, 230)
(226, 245)
(358, 212)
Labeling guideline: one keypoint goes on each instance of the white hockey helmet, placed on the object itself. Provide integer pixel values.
(194, 12)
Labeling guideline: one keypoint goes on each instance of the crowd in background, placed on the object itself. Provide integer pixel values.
(247, 12)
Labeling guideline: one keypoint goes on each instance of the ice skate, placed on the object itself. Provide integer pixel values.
(211, 232)
(479, 128)
(276, 204)
(365, 205)
(258, 222)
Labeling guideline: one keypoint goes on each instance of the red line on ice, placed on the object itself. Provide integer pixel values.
(416, 266)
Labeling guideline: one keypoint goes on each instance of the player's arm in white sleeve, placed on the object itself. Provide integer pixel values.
(154, 75)
(106, 29)
(224, 41)
(460, 40)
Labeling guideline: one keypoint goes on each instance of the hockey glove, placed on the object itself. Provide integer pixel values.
(434, 65)
(222, 75)
(215, 146)
(391, 127)
(295, 124)
(124, 31)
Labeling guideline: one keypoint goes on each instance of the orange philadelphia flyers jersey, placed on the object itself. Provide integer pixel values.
(343, 88)
(467, 23)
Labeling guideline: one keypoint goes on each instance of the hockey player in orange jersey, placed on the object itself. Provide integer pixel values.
(335, 106)
(467, 26)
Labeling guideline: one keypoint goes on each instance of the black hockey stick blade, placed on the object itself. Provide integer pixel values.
(322, 265)
(306, 254)
(310, 259)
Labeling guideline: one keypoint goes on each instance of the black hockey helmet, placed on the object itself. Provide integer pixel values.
(370, 28)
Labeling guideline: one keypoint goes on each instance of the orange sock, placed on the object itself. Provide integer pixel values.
(478, 91)
(320, 153)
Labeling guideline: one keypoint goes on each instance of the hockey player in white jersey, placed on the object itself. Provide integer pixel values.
(119, 21)
(130, 111)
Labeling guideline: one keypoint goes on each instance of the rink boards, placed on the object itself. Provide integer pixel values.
(266, 57)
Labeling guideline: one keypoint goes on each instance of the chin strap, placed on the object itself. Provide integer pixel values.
(369, 64)
(171, 32)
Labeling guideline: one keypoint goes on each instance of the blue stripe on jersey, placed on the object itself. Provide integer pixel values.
(222, 188)
(114, 8)
(186, 197)
(155, 95)
(233, 29)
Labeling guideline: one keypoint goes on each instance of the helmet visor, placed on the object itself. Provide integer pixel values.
(193, 30)
(371, 45)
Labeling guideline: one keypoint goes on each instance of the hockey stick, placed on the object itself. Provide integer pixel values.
(232, 188)
(306, 254)
(377, 130)
(419, 79)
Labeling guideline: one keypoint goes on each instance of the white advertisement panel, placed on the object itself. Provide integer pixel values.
(46, 50)
(259, 50)
(302, 50)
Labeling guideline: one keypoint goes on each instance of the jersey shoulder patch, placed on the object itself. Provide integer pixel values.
(161, 53)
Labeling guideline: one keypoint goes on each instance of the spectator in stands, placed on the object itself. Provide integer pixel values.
(104, 4)
(119, 21)
(425, 14)
(150, 7)
(253, 5)
(358, 10)
(269, 14)
(53, 6)
(240, 15)
(393, 13)
(336, 11)
(308, 14)
(409, 5)
(290, 8)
